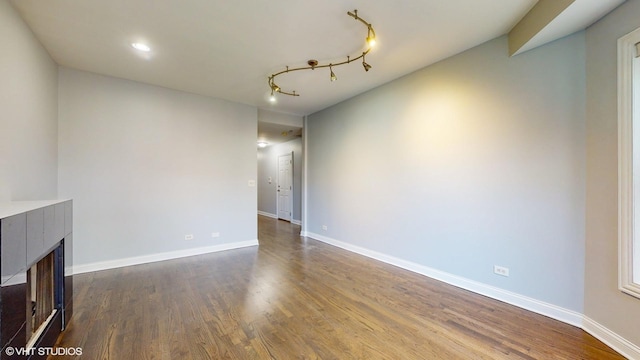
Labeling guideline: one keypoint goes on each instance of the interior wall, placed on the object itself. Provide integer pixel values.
(275, 117)
(604, 303)
(29, 103)
(268, 168)
(476, 161)
(146, 166)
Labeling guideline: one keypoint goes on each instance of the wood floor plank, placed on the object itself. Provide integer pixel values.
(296, 298)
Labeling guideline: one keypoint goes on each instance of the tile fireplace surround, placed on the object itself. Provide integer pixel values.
(31, 231)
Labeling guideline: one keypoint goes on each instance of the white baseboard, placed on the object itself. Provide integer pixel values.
(615, 341)
(571, 317)
(264, 213)
(144, 259)
(540, 307)
(274, 216)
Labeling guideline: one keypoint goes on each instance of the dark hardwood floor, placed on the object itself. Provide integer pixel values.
(297, 298)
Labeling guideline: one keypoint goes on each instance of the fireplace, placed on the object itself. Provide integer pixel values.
(36, 290)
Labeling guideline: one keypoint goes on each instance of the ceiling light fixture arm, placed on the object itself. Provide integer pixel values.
(313, 64)
(371, 34)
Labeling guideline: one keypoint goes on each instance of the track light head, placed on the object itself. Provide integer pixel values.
(371, 37)
(366, 66)
(371, 41)
(273, 86)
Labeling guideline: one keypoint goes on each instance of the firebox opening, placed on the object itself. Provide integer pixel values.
(41, 285)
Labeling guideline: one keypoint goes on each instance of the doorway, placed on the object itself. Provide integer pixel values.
(285, 187)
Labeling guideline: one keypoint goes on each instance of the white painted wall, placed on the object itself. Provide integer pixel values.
(268, 167)
(279, 118)
(147, 165)
(476, 161)
(29, 103)
(604, 303)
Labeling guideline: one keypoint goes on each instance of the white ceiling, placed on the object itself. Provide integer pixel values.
(272, 134)
(228, 48)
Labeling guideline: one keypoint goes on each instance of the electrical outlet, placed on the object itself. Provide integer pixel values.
(501, 270)
(188, 237)
(324, 227)
(215, 234)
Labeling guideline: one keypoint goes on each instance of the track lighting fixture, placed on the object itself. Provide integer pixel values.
(313, 64)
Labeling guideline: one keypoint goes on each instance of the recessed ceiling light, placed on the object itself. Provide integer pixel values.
(262, 144)
(141, 47)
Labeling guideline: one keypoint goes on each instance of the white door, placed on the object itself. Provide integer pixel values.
(285, 186)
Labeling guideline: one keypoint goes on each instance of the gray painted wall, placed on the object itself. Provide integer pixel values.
(475, 161)
(29, 103)
(147, 165)
(603, 301)
(268, 167)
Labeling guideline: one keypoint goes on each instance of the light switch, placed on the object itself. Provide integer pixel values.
(252, 183)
